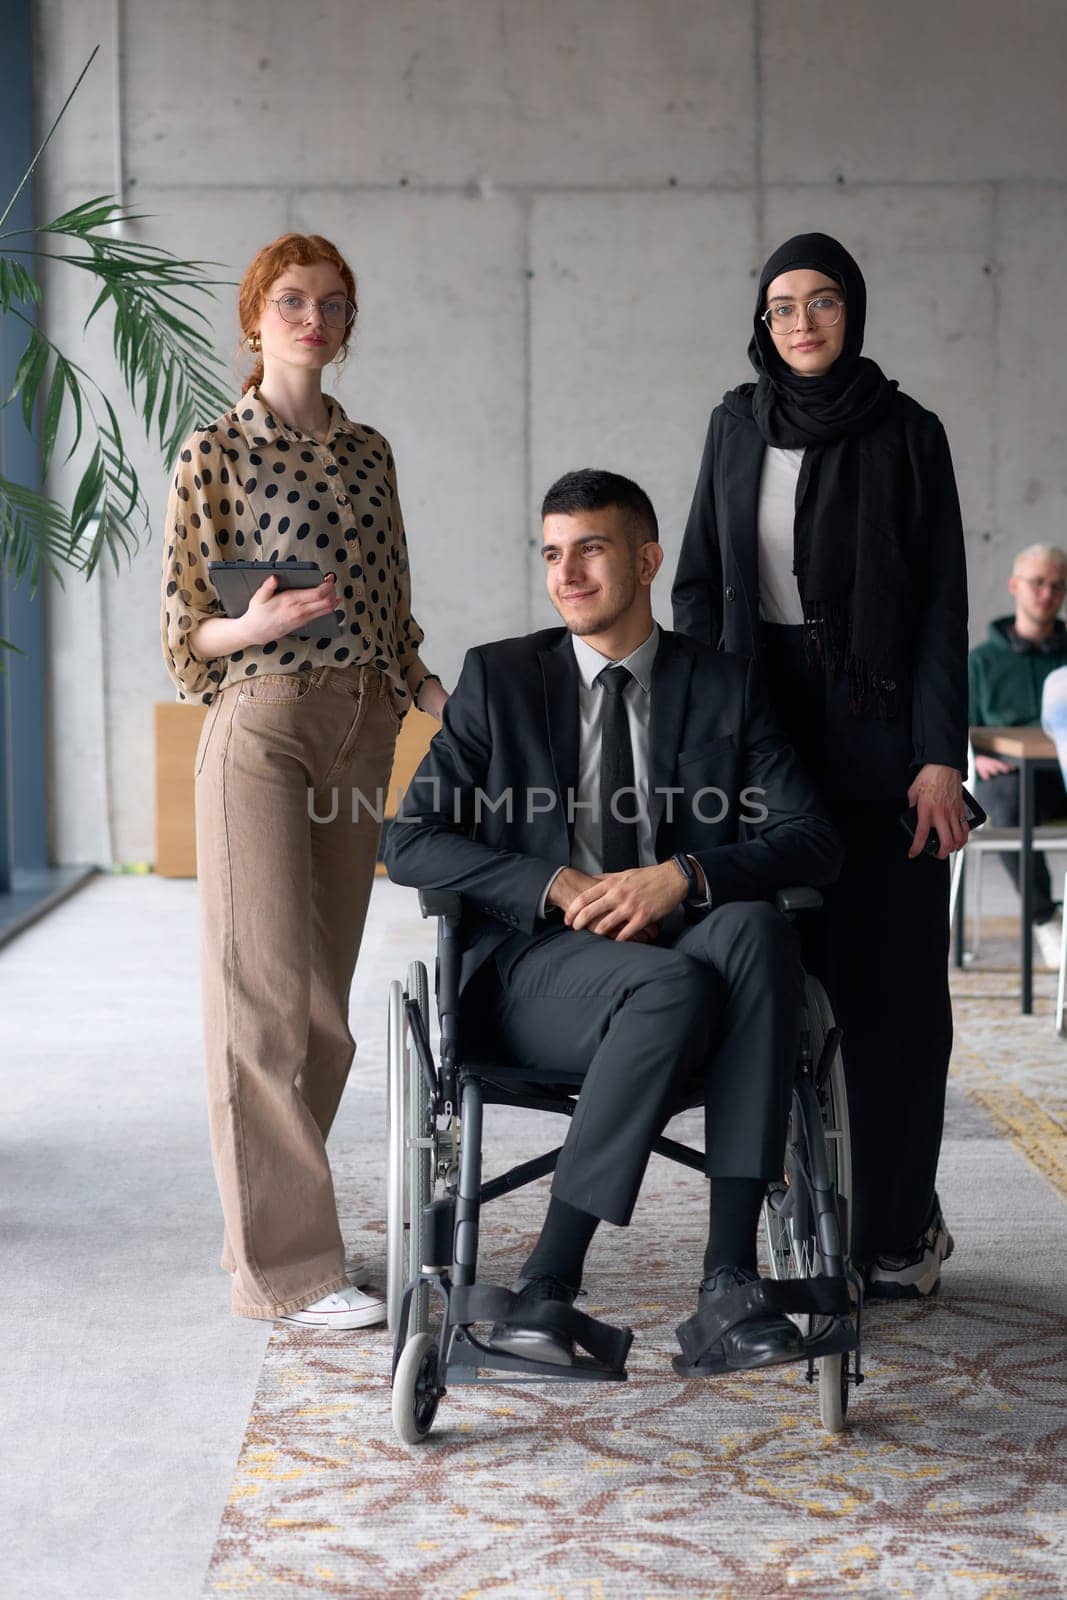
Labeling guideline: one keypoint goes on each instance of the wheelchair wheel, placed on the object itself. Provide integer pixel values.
(421, 1124)
(833, 1392)
(788, 1222)
(834, 1101)
(410, 1161)
(415, 1389)
(794, 1241)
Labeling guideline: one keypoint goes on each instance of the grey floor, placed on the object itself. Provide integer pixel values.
(125, 1384)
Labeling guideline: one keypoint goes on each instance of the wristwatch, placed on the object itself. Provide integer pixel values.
(688, 871)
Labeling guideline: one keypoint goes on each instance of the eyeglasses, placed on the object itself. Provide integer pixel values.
(822, 312)
(1054, 586)
(336, 312)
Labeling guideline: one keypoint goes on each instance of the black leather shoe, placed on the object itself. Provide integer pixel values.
(537, 1344)
(762, 1340)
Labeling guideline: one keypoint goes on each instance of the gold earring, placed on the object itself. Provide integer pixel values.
(255, 343)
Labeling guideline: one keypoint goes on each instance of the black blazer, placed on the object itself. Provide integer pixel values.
(716, 590)
(487, 812)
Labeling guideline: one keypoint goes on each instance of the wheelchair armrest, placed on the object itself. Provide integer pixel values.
(797, 898)
(440, 902)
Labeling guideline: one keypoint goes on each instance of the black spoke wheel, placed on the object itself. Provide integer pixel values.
(791, 1228)
(416, 1392)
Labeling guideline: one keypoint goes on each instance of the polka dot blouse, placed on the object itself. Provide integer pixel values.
(248, 488)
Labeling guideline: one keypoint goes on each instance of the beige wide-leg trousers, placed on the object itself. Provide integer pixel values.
(291, 770)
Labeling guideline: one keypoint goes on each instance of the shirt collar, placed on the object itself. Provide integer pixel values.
(638, 662)
(260, 427)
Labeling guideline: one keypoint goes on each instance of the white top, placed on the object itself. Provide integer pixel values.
(779, 597)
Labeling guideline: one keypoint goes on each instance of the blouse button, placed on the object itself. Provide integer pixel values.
(342, 499)
(730, 592)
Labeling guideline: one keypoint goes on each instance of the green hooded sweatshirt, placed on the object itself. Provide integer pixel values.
(1006, 674)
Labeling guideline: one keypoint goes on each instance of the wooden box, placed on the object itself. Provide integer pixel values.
(413, 741)
(177, 736)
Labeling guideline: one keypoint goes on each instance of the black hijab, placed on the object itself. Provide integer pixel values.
(855, 499)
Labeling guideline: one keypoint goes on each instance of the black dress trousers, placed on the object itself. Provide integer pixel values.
(881, 948)
(713, 1015)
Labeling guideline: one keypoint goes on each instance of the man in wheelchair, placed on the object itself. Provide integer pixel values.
(617, 809)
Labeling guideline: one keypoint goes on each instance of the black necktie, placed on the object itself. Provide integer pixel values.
(618, 838)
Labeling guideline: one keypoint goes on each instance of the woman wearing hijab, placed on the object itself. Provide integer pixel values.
(825, 541)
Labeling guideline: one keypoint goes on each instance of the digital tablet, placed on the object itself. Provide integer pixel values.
(237, 581)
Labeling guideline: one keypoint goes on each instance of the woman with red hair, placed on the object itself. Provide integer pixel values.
(306, 693)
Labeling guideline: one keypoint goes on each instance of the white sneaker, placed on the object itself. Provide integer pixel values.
(916, 1274)
(345, 1308)
(1047, 937)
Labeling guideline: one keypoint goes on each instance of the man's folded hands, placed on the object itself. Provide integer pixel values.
(619, 905)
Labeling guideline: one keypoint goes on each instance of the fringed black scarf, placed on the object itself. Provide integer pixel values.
(857, 502)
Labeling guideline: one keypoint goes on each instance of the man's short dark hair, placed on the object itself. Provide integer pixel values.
(589, 489)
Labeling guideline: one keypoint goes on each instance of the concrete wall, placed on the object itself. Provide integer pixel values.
(556, 209)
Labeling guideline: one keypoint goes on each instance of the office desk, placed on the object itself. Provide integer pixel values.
(1028, 749)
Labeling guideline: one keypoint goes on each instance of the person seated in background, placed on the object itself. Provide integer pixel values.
(617, 807)
(1007, 675)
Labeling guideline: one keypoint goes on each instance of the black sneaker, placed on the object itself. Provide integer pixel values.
(917, 1273)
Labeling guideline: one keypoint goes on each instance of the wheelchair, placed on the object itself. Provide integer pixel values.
(435, 1192)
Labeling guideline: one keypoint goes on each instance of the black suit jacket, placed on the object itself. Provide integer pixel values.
(716, 590)
(488, 812)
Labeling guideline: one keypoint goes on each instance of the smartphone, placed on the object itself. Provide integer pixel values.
(237, 581)
(909, 821)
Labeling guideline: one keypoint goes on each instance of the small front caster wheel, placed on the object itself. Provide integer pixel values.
(833, 1392)
(415, 1389)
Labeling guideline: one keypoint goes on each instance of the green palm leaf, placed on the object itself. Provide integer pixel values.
(17, 286)
(35, 532)
(161, 339)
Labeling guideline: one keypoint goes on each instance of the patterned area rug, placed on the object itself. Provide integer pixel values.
(949, 1480)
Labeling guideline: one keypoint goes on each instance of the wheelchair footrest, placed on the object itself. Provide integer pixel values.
(468, 1355)
(840, 1337)
(699, 1334)
(606, 1347)
(711, 1366)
